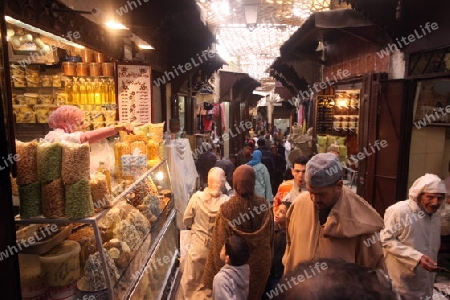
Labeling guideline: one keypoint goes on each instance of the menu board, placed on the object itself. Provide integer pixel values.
(134, 93)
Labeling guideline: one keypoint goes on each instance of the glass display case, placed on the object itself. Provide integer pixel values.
(137, 236)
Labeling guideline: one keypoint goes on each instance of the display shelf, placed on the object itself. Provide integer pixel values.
(131, 275)
(149, 262)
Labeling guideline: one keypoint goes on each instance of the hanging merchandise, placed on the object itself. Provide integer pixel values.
(216, 110)
(300, 114)
(223, 116)
(207, 106)
(207, 122)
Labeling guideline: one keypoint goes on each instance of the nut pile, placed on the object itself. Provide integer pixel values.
(53, 199)
(75, 162)
(100, 192)
(27, 164)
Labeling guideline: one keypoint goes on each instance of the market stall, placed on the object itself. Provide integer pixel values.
(94, 219)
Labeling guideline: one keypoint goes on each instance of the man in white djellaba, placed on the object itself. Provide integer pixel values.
(200, 217)
(411, 238)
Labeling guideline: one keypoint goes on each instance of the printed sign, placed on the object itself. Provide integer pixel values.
(134, 93)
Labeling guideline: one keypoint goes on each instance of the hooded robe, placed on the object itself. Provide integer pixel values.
(200, 216)
(408, 234)
(351, 223)
(250, 217)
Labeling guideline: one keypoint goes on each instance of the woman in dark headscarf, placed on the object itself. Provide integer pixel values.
(248, 216)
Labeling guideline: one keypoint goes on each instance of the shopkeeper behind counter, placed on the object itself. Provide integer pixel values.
(67, 123)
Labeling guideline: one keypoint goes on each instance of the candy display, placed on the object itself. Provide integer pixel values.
(128, 233)
(94, 274)
(119, 251)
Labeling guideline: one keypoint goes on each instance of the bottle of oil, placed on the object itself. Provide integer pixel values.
(83, 93)
(76, 93)
(104, 92)
(97, 93)
(111, 94)
(102, 169)
(68, 90)
(90, 93)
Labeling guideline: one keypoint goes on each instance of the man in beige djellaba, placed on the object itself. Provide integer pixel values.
(200, 216)
(411, 238)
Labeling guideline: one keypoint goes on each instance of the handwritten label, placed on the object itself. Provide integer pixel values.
(134, 93)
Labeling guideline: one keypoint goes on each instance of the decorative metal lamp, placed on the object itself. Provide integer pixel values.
(251, 15)
(251, 8)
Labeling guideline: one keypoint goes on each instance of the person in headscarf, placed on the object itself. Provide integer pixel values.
(411, 238)
(200, 216)
(263, 186)
(330, 220)
(249, 217)
(67, 122)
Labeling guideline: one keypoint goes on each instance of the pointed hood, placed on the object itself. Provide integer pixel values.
(352, 216)
(428, 183)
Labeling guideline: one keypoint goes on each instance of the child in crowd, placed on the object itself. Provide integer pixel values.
(232, 281)
(279, 246)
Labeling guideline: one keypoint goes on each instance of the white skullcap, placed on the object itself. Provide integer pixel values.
(323, 169)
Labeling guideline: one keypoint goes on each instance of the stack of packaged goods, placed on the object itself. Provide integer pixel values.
(54, 180)
(136, 152)
(28, 180)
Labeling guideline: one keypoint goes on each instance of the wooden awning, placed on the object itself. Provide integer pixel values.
(399, 19)
(238, 83)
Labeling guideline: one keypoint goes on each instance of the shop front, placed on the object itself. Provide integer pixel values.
(78, 219)
(346, 99)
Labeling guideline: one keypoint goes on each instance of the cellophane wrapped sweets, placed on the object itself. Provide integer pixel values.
(139, 145)
(101, 196)
(75, 162)
(30, 200)
(49, 158)
(27, 171)
(156, 132)
(53, 203)
(121, 148)
(153, 150)
(78, 203)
